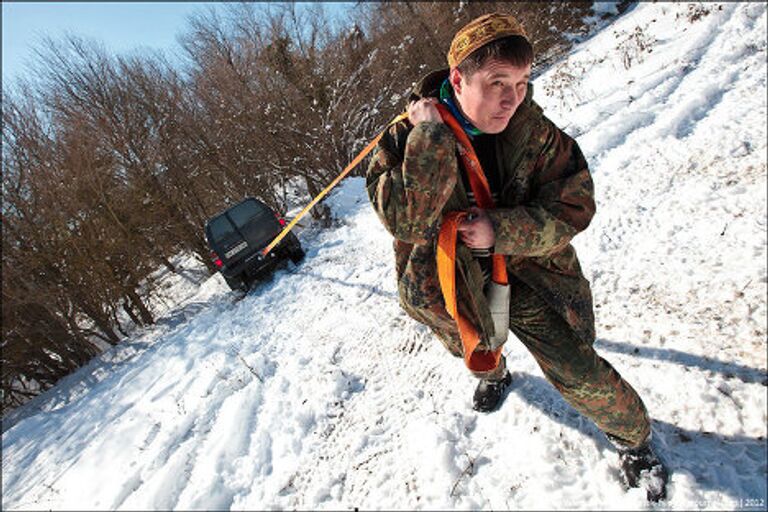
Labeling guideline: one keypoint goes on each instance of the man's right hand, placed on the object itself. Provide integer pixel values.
(424, 110)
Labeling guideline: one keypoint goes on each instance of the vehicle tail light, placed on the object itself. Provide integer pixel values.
(280, 220)
(216, 260)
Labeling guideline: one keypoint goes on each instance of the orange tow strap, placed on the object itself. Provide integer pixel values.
(476, 360)
(349, 167)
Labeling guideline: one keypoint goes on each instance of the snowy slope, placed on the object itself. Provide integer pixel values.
(316, 391)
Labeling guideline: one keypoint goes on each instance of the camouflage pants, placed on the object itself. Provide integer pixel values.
(587, 381)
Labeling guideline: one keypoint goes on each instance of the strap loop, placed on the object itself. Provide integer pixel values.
(477, 360)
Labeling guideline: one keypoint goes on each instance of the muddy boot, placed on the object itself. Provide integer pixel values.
(489, 393)
(641, 467)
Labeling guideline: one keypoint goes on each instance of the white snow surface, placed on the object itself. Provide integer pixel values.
(315, 391)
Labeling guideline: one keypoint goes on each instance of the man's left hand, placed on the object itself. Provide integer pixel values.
(476, 230)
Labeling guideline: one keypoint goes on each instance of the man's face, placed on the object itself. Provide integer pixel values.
(490, 96)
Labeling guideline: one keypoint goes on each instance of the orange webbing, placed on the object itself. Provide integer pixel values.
(359, 158)
(477, 182)
(476, 360)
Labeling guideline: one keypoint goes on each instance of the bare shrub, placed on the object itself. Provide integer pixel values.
(634, 46)
(696, 11)
(563, 84)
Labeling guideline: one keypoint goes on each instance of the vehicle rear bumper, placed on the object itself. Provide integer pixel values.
(256, 264)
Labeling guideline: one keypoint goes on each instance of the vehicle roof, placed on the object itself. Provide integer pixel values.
(249, 198)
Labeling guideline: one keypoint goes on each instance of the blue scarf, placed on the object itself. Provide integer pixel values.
(446, 96)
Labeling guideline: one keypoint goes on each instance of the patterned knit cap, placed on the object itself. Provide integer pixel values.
(481, 31)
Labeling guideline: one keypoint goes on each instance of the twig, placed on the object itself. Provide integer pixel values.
(730, 396)
(468, 470)
(250, 369)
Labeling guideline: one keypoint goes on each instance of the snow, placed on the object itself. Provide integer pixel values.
(315, 391)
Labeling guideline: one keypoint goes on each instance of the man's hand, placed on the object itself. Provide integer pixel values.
(424, 110)
(476, 230)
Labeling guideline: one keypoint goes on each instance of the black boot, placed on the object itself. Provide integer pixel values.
(641, 467)
(489, 393)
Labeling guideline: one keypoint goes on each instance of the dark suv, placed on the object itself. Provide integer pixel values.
(236, 237)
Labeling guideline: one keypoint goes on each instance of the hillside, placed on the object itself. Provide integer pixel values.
(315, 390)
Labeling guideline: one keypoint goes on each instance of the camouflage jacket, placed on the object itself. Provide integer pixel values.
(546, 197)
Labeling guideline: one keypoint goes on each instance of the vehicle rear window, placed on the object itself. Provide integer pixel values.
(243, 213)
(221, 228)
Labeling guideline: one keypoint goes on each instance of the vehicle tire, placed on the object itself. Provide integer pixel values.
(297, 255)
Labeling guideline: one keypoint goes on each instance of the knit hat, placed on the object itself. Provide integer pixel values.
(480, 31)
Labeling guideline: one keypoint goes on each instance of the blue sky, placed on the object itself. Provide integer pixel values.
(121, 26)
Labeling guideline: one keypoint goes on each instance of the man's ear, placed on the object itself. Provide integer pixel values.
(455, 79)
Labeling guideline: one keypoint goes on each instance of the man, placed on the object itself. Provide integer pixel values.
(542, 194)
